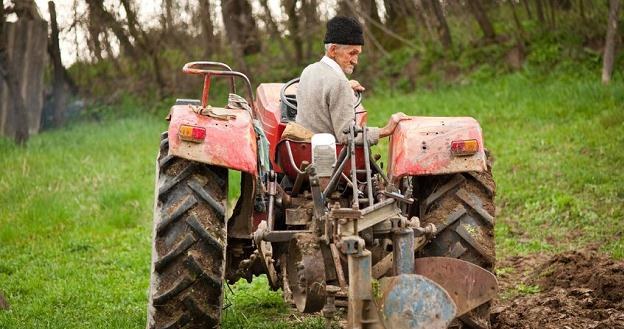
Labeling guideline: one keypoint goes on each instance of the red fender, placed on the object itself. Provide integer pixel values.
(229, 142)
(422, 146)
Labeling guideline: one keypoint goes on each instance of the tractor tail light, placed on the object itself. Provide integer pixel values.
(192, 133)
(464, 147)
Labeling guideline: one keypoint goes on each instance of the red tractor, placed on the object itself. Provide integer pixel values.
(412, 247)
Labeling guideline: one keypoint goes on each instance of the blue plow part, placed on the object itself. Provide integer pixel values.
(412, 301)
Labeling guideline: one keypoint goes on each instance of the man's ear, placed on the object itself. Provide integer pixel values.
(331, 51)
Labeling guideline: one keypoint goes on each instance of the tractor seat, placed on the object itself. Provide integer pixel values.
(299, 138)
(296, 133)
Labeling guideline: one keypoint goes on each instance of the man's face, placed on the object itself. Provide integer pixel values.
(346, 56)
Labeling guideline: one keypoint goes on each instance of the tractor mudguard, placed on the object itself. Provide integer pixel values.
(425, 146)
(230, 140)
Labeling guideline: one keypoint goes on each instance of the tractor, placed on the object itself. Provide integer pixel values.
(409, 246)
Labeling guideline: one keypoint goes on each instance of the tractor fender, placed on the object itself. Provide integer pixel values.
(230, 140)
(422, 146)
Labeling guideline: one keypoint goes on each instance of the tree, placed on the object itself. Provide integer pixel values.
(149, 46)
(539, 7)
(527, 7)
(293, 28)
(312, 25)
(96, 8)
(396, 16)
(207, 28)
(521, 33)
(610, 44)
(444, 32)
(272, 27)
(240, 25)
(59, 95)
(17, 114)
(343, 8)
(481, 16)
(396, 19)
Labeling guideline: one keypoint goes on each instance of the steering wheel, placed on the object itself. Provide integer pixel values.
(290, 100)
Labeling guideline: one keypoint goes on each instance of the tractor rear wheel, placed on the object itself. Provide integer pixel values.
(461, 206)
(189, 243)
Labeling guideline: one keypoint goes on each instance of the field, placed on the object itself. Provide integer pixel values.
(75, 204)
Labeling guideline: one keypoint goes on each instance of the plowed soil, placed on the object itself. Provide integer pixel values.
(572, 290)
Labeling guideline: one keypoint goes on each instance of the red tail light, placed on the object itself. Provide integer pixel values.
(192, 133)
(464, 147)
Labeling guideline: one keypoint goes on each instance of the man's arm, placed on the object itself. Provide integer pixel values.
(394, 120)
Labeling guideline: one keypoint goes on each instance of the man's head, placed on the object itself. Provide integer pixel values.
(343, 42)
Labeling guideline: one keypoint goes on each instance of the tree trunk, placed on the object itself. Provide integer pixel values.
(369, 7)
(16, 115)
(553, 14)
(521, 32)
(168, 4)
(240, 25)
(343, 8)
(109, 20)
(312, 27)
(59, 95)
(423, 18)
(582, 10)
(397, 13)
(139, 36)
(207, 28)
(540, 11)
(527, 7)
(293, 27)
(273, 29)
(2, 20)
(230, 12)
(149, 46)
(396, 16)
(610, 44)
(443, 30)
(481, 16)
(94, 30)
(26, 9)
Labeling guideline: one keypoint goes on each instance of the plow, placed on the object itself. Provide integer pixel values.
(408, 246)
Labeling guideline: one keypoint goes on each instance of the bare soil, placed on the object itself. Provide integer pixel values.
(574, 290)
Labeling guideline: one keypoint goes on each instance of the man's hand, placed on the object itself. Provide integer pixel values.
(356, 86)
(394, 120)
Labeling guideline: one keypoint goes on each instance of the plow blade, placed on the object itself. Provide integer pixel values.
(468, 284)
(409, 301)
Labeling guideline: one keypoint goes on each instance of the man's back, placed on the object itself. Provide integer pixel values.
(325, 100)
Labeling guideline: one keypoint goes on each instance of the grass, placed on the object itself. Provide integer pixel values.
(75, 204)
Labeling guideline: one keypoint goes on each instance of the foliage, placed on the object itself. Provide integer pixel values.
(572, 39)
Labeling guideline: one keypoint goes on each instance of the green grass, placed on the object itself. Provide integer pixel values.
(75, 226)
(75, 204)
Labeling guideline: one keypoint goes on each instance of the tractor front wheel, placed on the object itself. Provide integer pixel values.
(189, 243)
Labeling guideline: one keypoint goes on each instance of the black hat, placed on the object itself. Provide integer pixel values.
(344, 30)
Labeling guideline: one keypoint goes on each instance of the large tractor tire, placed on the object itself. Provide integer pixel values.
(189, 243)
(461, 206)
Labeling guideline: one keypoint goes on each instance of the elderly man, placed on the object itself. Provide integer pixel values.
(325, 97)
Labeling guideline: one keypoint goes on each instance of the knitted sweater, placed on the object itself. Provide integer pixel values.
(325, 103)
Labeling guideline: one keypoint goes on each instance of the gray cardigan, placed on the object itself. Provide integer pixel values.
(325, 103)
